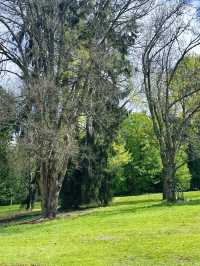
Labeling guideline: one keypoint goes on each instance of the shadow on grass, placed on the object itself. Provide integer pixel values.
(185, 202)
(20, 218)
(131, 202)
(134, 206)
(128, 210)
(116, 208)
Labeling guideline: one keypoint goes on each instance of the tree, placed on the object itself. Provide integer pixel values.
(193, 153)
(168, 95)
(7, 122)
(4, 167)
(7, 111)
(136, 159)
(62, 50)
(89, 180)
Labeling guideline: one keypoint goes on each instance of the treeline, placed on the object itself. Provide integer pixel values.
(68, 136)
(125, 163)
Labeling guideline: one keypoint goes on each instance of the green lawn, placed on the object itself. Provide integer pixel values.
(10, 211)
(133, 231)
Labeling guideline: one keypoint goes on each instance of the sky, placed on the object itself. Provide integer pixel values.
(9, 81)
(196, 3)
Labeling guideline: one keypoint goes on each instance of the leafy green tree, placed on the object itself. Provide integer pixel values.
(119, 158)
(183, 175)
(4, 166)
(193, 153)
(7, 120)
(136, 156)
(13, 181)
(135, 159)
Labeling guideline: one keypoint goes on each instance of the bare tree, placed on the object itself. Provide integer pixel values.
(169, 38)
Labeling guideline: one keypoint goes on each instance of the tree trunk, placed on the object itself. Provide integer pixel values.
(49, 191)
(11, 200)
(169, 184)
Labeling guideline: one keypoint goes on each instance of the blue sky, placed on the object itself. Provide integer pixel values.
(196, 2)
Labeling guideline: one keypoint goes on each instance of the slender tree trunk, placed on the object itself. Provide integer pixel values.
(169, 184)
(11, 199)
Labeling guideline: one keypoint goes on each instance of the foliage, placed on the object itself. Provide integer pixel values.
(8, 183)
(88, 180)
(135, 160)
(183, 175)
(13, 180)
(193, 152)
(4, 166)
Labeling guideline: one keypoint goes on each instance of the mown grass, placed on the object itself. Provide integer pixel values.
(139, 230)
(15, 214)
(8, 210)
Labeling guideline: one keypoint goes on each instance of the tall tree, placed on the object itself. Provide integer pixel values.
(60, 48)
(167, 84)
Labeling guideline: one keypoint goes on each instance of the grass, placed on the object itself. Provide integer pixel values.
(8, 210)
(14, 214)
(139, 230)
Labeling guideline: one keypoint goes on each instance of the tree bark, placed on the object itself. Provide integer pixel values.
(169, 183)
(50, 189)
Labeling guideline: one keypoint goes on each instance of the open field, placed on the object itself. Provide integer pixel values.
(138, 230)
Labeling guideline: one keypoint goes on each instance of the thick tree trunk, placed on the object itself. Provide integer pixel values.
(50, 190)
(50, 201)
(169, 183)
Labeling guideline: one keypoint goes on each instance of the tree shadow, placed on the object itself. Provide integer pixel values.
(183, 202)
(20, 218)
(127, 207)
(133, 206)
(131, 202)
(193, 202)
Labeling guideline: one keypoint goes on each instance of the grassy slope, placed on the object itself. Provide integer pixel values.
(10, 211)
(133, 231)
